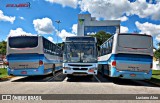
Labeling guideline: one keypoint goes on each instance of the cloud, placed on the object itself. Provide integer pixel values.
(22, 18)
(63, 33)
(74, 29)
(123, 29)
(6, 18)
(18, 32)
(107, 9)
(64, 3)
(50, 39)
(111, 9)
(124, 18)
(144, 9)
(158, 38)
(43, 26)
(148, 28)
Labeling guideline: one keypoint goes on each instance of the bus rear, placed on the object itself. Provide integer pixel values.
(25, 56)
(132, 56)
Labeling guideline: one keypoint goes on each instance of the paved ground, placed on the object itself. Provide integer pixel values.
(60, 84)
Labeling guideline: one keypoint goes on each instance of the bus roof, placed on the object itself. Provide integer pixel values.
(134, 34)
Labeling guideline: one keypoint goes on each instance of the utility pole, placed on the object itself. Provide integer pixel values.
(58, 22)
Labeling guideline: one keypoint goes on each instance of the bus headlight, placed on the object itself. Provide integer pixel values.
(67, 68)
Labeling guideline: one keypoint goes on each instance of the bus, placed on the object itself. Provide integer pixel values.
(127, 56)
(32, 55)
(80, 56)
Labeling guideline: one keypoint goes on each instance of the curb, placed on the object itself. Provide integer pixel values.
(6, 78)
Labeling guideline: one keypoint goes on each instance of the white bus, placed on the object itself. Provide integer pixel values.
(80, 56)
(32, 55)
(127, 56)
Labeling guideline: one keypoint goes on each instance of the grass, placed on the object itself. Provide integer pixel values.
(155, 72)
(155, 77)
(3, 72)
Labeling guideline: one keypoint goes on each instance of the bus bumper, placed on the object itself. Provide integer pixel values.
(130, 74)
(27, 71)
(79, 72)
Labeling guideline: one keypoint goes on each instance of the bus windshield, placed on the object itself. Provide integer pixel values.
(80, 52)
(23, 42)
(135, 41)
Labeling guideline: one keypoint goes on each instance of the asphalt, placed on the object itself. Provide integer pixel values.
(61, 84)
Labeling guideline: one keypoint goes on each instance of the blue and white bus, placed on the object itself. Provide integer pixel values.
(32, 55)
(127, 56)
(80, 56)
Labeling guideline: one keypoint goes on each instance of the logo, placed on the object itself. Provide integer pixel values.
(27, 4)
(6, 97)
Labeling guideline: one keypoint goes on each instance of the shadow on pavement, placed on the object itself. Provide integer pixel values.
(42, 78)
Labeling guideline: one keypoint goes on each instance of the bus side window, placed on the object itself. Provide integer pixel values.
(99, 52)
(107, 48)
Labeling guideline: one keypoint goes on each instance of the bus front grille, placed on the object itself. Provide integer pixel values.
(80, 68)
(79, 73)
(78, 65)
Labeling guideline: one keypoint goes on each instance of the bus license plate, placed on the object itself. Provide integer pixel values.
(132, 75)
(23, 72)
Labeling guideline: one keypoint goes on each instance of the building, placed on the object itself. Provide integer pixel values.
(88, 25)
(156, 65)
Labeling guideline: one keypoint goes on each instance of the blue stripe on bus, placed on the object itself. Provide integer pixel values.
(127, 74)
(24, 56)
(131, 59)
(123, 61)
(31, 58)
(32, 71)
(128, 57)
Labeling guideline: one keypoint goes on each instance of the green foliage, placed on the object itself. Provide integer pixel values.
(101, 37)
(155, 72)
(157, 54)
(3, 45)
(3, 72)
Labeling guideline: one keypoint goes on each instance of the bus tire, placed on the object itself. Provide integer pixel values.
(102, 71)
(107, 67)
(109, 70)
(69, 76)
(90, 76)
(53, 70)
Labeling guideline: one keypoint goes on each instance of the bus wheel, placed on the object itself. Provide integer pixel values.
(102, 71)
(53, 70)
(90, 76)
(69, 76)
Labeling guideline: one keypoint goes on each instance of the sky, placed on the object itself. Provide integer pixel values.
(39, 18)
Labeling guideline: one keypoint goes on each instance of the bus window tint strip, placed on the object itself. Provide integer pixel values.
(80, 39)
(23, 42)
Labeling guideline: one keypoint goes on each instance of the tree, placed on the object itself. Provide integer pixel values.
(158, 45)
(3, 45)
(101, 37)
(157, 54)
